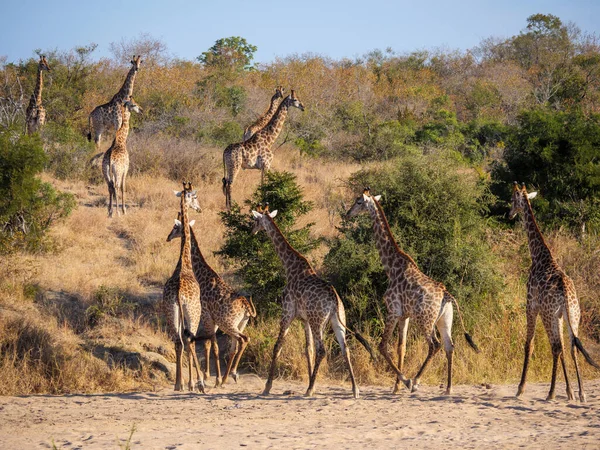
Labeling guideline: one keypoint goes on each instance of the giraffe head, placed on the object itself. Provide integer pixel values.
(292, 100)
(262, 218)
(136, 62)
(363, 202)
(131, 105)
(177, 230)
(279, 90)
(191, 196)
(43, 64)
(520, 199)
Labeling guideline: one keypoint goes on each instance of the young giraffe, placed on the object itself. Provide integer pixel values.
(115, 163)
(255, 153)
(36, 114)
(309, 298)
(551, 294)
(263, 120)
(110, 115)
(181, 298)
(410, 295)
(222, 308)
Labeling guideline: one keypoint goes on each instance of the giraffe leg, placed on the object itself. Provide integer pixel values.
(340, 334)
(206, 346)
(531, 318)
(390, 324)
(199, 376)
(110, 198)
(216, 354)
(309, 350)
(178, 366)
(319, 355)
(570, 394)
(573, 328)
(444, 325)
(242, 342)
(579, 380)
(402, 333)
(434, 347)
(556, 352)
(123, 195)
(283, 330)
(240, 347)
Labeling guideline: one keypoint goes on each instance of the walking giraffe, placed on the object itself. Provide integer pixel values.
(551, 294)
(309, 298)
(35, 115)
(410, 295)
(255, 153)
(263, 120)
(222, 308)
(110, 115)
(181, 298)
(115, 163)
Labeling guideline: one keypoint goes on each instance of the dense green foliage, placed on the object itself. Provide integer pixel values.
(253, 254)
(436, 215)
(232, 53)
(28, 206)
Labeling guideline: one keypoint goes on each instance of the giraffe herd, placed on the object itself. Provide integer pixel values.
(197, 301)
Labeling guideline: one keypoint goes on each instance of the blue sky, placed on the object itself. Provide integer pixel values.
(334, 28)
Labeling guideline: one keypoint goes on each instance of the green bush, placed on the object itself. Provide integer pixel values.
(28, 207)
(227, 133)
(253, 255)
(436, 214)
(68, 152)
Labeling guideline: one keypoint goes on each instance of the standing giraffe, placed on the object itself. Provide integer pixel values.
(110, 115)
(181, 298)
(410, 295)
(309, 298)
(222, 308)
(263, 120)
(115, 163)
(35, 115)
(255, 153)
(551, 294)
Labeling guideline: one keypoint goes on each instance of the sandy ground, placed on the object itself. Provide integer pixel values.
(236, 416)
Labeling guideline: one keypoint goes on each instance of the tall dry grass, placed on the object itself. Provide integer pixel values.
(49, 344)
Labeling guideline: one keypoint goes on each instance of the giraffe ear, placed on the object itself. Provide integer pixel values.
(256, 214)
(177, 223)
(192, 222)
(531, 195)
(377, 197)
(177, 193)
(272, 214)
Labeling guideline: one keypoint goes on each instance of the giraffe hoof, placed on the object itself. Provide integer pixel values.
(309, 393)
(200, 387)
(356, 394)
(409, 384)
(218, 382)
(448, 392)
(582, 397)
(235, 377)
(550, 397)
(415, 388)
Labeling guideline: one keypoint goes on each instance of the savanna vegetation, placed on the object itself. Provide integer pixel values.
(440, 134)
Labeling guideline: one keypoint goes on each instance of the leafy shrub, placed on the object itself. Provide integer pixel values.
(68, 152)
(254, 256)
(107, 302)
(227, 133)
(28, 207)
(436, 216)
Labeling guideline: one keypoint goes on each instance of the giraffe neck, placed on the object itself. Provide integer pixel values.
(39, 85)
(275, 125)
(266, 117)
(185, 256)
(540, 253)
(123, 132)
(392, 257)
(126, 90)
(201, 268)
(294, 263)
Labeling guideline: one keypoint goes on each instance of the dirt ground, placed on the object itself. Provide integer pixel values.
(237, 416)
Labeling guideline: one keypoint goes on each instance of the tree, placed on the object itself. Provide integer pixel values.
(254, 256)
(229, 54)
(153, 51)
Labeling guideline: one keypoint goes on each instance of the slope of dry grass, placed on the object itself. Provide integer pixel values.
(75, 319)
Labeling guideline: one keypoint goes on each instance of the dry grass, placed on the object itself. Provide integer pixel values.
(49, 345)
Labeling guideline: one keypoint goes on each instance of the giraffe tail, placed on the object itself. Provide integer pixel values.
(576, 342)
(224, 175)
(249, 306)
(468, 337)
(359, 337)
(89, 135)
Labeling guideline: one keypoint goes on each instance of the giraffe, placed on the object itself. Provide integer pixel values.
(410, 295)
(255, 153)
(222, 308)
(109, 115)
(309, 298)
(115, 163)
(551, 294)
(36, 114)
(181, 298)
(263, 120)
